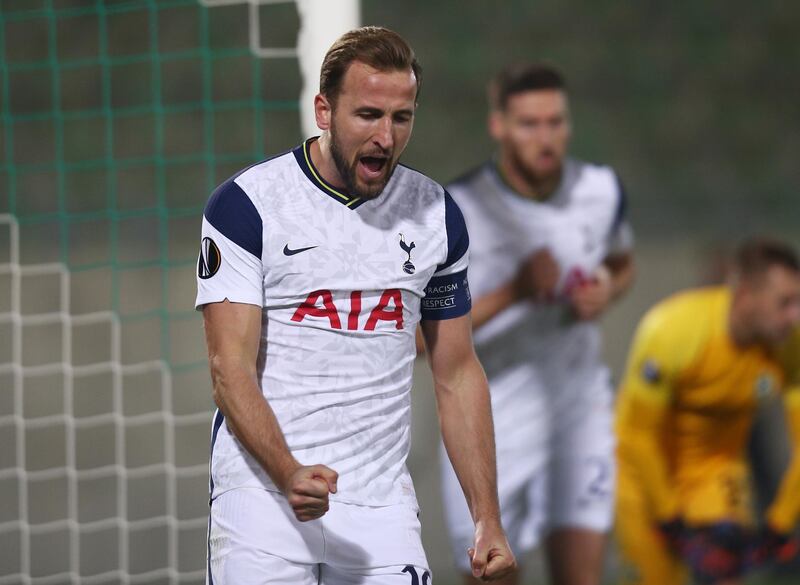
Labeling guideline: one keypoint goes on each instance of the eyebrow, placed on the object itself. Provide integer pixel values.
(380, 112)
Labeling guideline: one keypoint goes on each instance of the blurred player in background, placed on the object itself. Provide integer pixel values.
(550, 251)
(701, 363)
(311, 276)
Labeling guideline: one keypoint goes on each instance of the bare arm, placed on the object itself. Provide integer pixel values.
(462, 396)
(622, 270)
(233, 334)
(536, 280)
(493, 303)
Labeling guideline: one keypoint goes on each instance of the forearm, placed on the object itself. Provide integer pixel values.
(785, 509)
(642, 453)
(782, 514)
(621, 272)
(251, 419)
(641, 418)
(467, 429)
(490, 305)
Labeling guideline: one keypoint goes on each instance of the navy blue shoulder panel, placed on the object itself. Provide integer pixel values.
(622, 205)
(233, 214)
(457, 236)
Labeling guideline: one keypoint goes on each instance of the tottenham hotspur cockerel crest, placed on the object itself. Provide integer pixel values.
(408, 267)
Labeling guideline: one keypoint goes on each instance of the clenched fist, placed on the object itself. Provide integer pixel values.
(307, 491)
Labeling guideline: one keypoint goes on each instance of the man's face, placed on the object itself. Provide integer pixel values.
(775, 303)
(370, 124)
(533, 132)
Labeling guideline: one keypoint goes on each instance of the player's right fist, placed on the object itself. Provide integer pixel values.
(491, 558)
(538, 276)
(307, 491)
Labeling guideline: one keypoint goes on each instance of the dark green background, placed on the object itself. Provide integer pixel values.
(695, 103)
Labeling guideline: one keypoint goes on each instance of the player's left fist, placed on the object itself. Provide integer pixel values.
(491, 558)
(591, 298)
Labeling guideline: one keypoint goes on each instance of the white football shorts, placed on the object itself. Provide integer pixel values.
(254, 539)
(564, 480)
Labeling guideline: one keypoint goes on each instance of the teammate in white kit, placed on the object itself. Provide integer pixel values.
(550, 250)
(315, 268)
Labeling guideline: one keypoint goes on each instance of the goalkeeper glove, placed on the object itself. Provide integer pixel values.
(674, 534)
(716, 552)
(773, 546)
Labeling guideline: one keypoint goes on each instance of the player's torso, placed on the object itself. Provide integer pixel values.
(505, 228)
(320, 254)
(717, 395)
(574, 224)
(350, 271)
(342, 291)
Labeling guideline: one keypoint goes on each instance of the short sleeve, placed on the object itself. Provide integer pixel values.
(229, 264)
(447, 293)
(620, 236)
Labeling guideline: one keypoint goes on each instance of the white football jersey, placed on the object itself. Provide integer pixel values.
(581, 224)
(343, 283)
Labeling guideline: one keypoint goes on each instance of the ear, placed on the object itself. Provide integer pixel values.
(496, 124)
(322, 112)
(744, 293)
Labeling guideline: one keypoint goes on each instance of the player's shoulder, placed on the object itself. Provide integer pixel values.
(688, 312)
(471, 177)
(248, 180)
(235, 208)
(676, 331)
(476, 188)
(474, 181)
(408, 178)
(266, 172)
(592, 177)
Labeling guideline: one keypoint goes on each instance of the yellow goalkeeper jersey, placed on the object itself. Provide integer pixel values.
(686, 407)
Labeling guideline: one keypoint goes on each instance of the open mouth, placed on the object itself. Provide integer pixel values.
(373, 165)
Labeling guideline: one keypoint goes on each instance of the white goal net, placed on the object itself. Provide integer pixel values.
(117, 119)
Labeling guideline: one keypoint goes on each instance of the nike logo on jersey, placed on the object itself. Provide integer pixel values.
(289, 252)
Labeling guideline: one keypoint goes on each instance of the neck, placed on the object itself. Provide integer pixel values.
(740, 332)
(320, 152)
(526, 185)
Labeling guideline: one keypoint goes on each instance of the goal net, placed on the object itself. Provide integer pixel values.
(117, 119)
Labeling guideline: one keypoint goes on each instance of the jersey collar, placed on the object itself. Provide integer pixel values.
(497, 171)
(302, 154)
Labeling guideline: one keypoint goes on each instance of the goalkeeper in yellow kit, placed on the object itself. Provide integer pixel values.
(701, 362)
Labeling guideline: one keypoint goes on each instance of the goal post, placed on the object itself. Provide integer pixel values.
(117, 119)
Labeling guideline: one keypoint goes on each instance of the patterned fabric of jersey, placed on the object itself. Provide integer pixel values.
(342, 283)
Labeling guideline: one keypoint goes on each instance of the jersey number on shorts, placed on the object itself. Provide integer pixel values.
(411, 570)
(599, 486)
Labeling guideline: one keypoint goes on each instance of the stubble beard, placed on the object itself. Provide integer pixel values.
(530, 176)
(348, 172)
